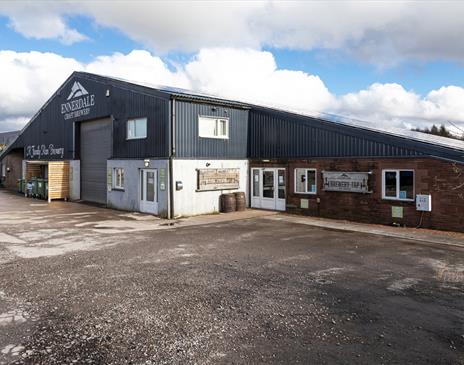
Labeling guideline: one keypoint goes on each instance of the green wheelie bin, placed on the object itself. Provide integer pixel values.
(40, 188)
(34, 192)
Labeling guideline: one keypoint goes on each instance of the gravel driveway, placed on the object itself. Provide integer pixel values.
(79, 284)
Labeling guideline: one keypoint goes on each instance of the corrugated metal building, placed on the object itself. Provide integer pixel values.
(171, 153)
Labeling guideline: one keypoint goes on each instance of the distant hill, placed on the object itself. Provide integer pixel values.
(6, 138)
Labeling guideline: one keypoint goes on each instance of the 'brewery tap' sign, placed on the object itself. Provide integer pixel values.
(78, 102)
(354, 182)
(218, 179)
(44, 151)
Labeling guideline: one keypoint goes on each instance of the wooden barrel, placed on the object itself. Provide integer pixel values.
(240, 201)
(228, 203)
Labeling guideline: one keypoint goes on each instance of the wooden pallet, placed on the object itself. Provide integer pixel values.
(58, 180)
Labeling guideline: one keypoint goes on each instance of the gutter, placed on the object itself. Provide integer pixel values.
(172, 153)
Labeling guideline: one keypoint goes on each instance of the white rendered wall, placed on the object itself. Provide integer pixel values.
(188, 201)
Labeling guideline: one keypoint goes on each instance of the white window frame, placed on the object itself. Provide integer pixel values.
(117, 186)
(216, 129)
(128, 137)
(397, 197)
(306, 182)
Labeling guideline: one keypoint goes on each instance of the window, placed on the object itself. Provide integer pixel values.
(118, 178)
(3, 169)
(209, 127)
(305, 181)
(398, 184)
(137, 128)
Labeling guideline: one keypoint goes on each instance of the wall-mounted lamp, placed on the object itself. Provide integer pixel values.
(8, 169)
(226, 112)
(107, 92)
(208, 164)
(213, 108)
(146, 162)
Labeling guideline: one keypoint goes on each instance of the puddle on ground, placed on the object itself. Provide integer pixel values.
(403, 284)
(12, 350)
(445, 272)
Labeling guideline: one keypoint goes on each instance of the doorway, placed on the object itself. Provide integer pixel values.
(268, 188)
(149, 196)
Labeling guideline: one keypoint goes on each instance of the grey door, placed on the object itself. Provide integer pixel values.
(95, 150)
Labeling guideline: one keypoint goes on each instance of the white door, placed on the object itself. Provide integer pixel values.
(280, 194)
(256, 188)
(268, 188)
(149, 196)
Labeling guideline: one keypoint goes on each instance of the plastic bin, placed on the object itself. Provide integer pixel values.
(35, 191)
(41, 189)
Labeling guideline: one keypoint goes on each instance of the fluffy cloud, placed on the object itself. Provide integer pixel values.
(40, 21)
(380, 32)
(242, 74)
(392, 104)
(252, 76)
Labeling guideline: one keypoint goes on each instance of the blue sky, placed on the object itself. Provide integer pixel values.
(385, 66)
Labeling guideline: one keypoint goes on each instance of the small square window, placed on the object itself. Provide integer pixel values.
(398, 184)
(118, 178)
(209, 127)
(137, 128)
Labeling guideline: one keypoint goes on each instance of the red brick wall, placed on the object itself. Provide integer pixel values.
(439, 178)
(13, 161)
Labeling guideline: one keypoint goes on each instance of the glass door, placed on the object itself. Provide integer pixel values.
(281, 186)
(268, 189)
(148, 198)
(255, 188)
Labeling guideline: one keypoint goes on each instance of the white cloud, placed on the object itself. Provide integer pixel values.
(393, 105)
(250, 75)
(30, 78)
(34, 19)
(379, 32)
(138, 66)
(12, 124)
(242, 74)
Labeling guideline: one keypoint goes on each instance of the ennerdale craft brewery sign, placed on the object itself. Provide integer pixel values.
(353, 182)
(78, 102)
(218, 179)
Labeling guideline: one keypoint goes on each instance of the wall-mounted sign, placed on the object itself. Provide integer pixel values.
(162, 179)
(44, 151)
(218, 179)
(78, 102)
(109, 178)
(353, 182)
(397, 212)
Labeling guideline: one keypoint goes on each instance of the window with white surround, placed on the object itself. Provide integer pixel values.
(118, 178)
(398, 184)
(305, 181)
(137, 128)
(3, 169)
(211, 127)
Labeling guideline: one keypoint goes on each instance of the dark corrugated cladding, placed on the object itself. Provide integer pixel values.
(255, 132)
(123, 102)
(190, 145)
(275, 134)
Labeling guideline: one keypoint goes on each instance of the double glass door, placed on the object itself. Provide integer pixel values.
(268, 188)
